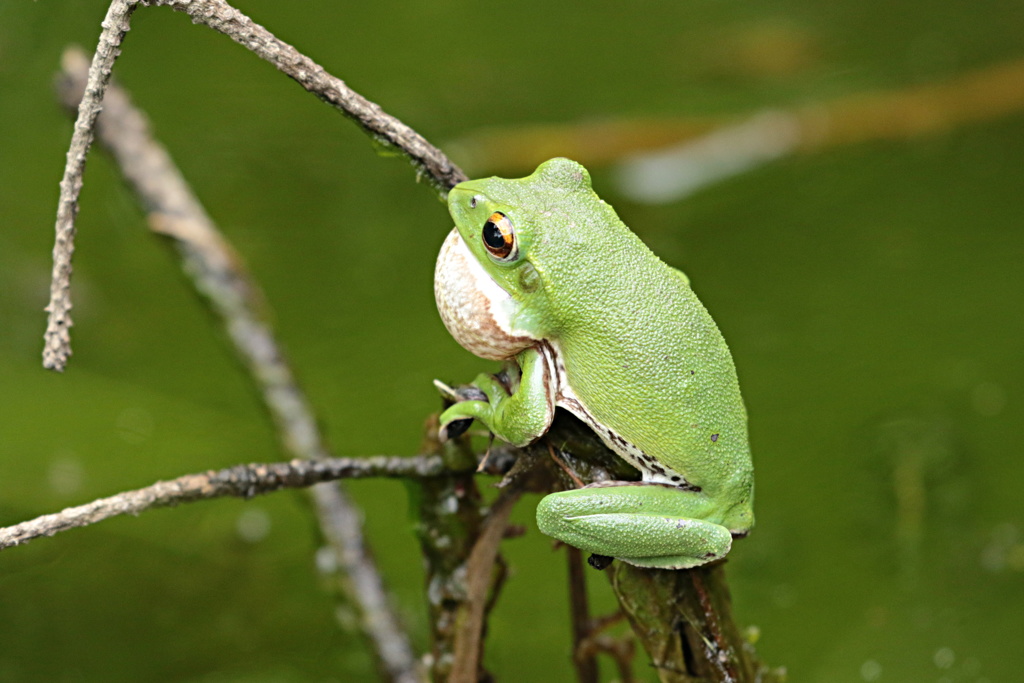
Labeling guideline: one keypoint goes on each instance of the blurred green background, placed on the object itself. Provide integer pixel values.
(873, 296)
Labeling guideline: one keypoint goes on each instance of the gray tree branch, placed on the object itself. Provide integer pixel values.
(57, 338)
(429, 162)
(242, 481)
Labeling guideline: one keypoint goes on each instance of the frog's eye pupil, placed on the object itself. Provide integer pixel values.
(493, 236)
(498, 235)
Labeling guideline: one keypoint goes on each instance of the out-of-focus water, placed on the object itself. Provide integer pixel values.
(873, 296)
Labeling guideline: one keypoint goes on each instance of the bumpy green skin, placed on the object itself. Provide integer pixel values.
(642, 358)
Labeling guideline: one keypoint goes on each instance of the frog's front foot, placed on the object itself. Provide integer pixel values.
(518, 417)
(453, 426)
(457, 419)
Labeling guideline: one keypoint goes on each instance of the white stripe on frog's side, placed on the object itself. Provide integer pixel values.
(474, 308)
(651, 470)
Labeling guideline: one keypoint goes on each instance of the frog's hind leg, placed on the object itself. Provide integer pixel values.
(648, 525)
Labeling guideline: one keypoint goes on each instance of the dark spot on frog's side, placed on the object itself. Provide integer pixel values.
(714, 438)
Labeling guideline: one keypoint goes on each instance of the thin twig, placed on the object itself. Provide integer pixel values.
(243, 481)
(219, 274)
(480, 578)
(621, 650)
(430, 162)
(579, 613)
(57, 338)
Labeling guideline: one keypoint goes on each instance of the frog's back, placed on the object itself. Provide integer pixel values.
(644, 357)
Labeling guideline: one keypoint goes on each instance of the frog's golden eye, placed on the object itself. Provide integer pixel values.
(499, 237)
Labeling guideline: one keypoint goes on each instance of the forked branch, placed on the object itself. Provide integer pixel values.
(429, 161)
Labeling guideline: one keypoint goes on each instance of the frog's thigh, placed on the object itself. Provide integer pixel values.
(518, 418)
(646, 525)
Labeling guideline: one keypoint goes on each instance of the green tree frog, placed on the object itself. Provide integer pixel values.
(541, 273)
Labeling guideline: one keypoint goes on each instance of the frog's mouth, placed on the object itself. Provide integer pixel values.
(474, 308)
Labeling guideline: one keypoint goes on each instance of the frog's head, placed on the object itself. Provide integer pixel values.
(488, 283)
(500, 219)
